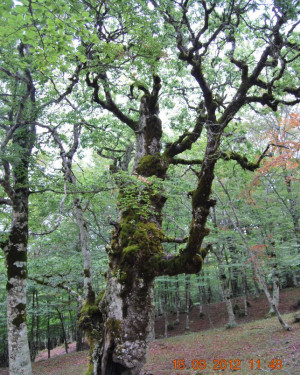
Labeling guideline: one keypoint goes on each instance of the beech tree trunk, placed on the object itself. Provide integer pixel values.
(165, 309)
(16, 185)
(67, 161)
(256, 266)
(187, 302)
(16, 262)
(225, 288)
(48, 333)
(200, 291)
(177, 302)
(63, 330)
(245, 291)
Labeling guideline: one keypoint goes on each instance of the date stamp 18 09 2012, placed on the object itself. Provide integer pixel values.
(224, 364)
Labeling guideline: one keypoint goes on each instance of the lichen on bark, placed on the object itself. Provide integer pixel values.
(91, 321)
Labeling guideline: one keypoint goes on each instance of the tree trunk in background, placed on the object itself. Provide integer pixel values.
(225, 282)
(275, 281)
(200, 291)
(208, 301)
(225, 287)
(254, 279)
(79, 330)
(48, 332)
(165, 308)
(85, 250)
(187, 302)
(63, 329)
(245, 292)
(177, 301)
(84, 242)
(32, 342)
(295, 280)
(255, 265)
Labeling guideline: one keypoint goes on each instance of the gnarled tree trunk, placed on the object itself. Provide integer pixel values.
(136, 253)
(128, 302)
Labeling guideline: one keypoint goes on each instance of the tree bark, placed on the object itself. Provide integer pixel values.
(200, 291)
(165, 310)
(63, 329)
(245, 291)
(129, 305)
(256, 267)
(21, 133)
(187, 302)
(32, 342)
(128, 328)
(48, 332)
(225, 288)
(16, 263)
(177, 301)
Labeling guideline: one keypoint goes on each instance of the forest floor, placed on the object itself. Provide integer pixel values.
(258, 309)
(254, 338)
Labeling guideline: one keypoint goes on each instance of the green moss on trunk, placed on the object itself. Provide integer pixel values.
(152, 165)
(91, 322)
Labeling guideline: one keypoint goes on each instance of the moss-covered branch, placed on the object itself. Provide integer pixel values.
(243, 161)
(187, 139)
(182, 263)
(186, 161)
(174, 240)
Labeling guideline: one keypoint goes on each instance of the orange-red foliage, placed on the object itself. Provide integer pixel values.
(284, 141)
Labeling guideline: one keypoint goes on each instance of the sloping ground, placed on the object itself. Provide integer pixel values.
(66, 364)
(289, 301)
(262, 340)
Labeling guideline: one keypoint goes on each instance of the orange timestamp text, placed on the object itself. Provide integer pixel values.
(223, 364)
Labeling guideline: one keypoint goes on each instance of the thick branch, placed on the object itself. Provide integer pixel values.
(186, 161)
(243, 161)
(174, 240)
(186, 140)
(109, 104)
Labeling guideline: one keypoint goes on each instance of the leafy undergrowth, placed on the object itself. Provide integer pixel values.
(262, 340)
